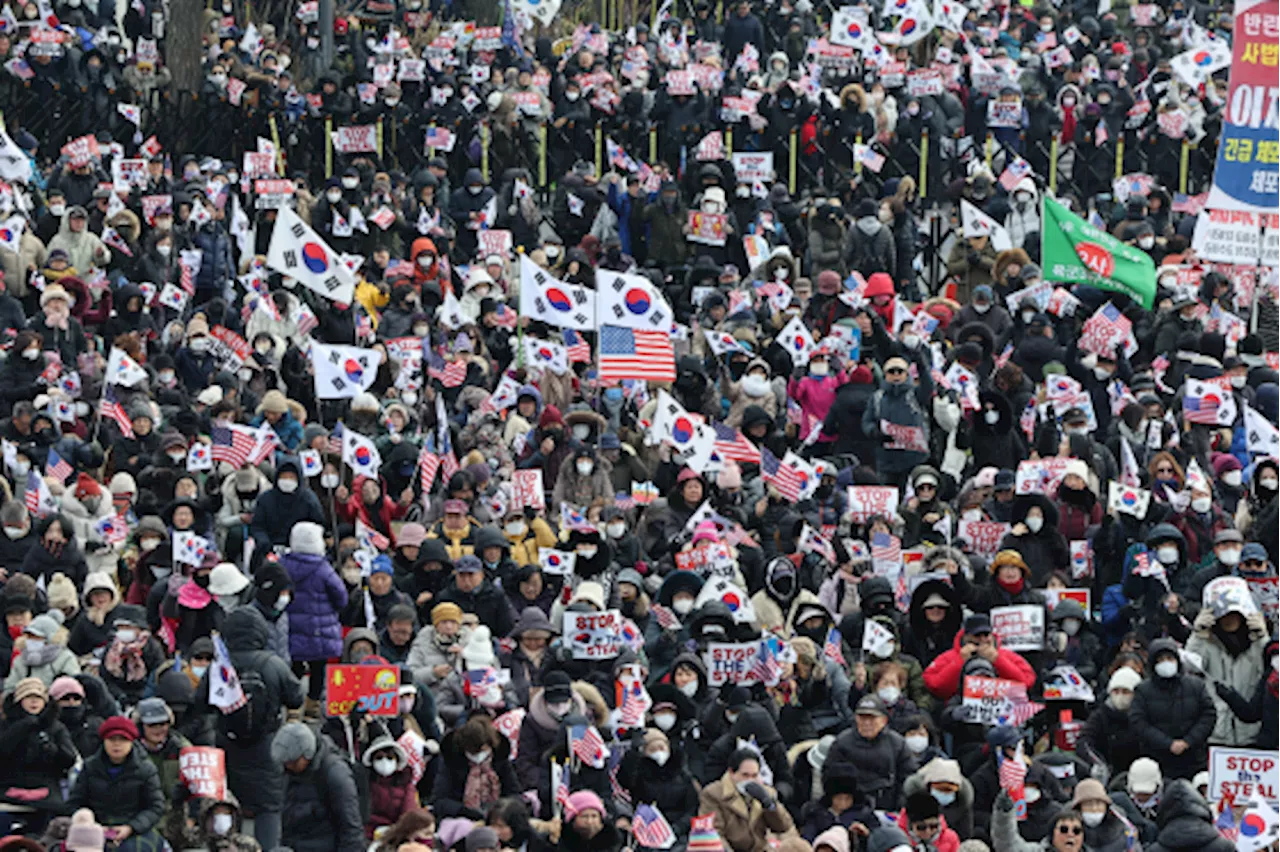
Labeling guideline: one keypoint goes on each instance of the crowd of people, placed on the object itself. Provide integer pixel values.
(873, 539)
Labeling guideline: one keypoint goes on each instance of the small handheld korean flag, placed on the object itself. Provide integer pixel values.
(450, 313)
(199, 457)
(342, 372)
(877, 640)
(359, 453)
(189, 548)
(296, 250)
(797, 341)
(1127, 499)
(311, 463)
(693, 439)
(1260, 435)
(976, 224)
(123, 370)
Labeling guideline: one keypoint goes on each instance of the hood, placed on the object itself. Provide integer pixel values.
(1069, 608)
(288, 465)
(532, 391)
(837, 837)
(207, 804)
(887, 838)
(922, 593)
(755, 721)
(1185, 819)
(245, 629)
(1165, 532)
(695, 662)
(980, 330)
(1025, 185)
(1023, 504)
(354, 636)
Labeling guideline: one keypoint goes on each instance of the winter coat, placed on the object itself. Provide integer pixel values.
(321, 805)
(426, 653)
(130, 796)
(1186, 822)
(61, 662)
(743, 823)
(318, 596)
(1110, 736)
(487, 602)
(251, 773)
(539, 734)
(36, 752)
(670, 787)
(904, 405)
(389, 799)
(1240, 671)
(1176, 708)
(926, 641)
(451, 781)
(879, 765)
(276, 513)
(943, 675)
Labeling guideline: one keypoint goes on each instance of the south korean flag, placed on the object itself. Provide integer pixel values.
(342, 372)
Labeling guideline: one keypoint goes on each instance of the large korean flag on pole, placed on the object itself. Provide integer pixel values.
(631, 301)
(548, 299)
(298, 251)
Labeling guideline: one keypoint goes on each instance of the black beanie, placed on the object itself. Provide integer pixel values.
(921, 806)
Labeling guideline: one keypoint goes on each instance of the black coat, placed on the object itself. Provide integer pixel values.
(1176, 708)
(670, 787)
(322, 806)
(276, 513)
(1109, 735)
(1186, 822)
(129, 797)
(487, 602)
(451, 780)
(35, 752)
(880, 765)
(256, 780)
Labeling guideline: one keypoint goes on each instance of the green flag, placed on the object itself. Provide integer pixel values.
(1074, 252)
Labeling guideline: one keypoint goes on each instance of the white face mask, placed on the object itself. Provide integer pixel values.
(992, 417)
(1071, 626)
(287, 486)
(31, 354)
(126, 635)
(1239, 382)
(690, 689)
(1202, 504)
(682, 606)
(571, 96)
(1102, 373)
(665, 721)
(330, 480)
(1146, 243)
(1035, 523)
(350, 183)
(660, 757)
(889, 694)
(227, 602)
(245, 375)
(1121, 700)
(1167, 668)
(22, 468)
(515, 528)
(616, 530)
(587, 551)
(911, 341)
(982, 307)
(585, 467)
(222, 824)
(780, 273)
(14, 533)
(1168, 555)
(755, 385)
(282, 603)
(1093, 819)
(199, 671)
(482, 756)
(1031, 794)
(35, 645)
(385, 766)
(333, 196)
(1267, 483)
(1229, 557)
(1028, 316)
(149, 544)
(917, 743)
(819, 368)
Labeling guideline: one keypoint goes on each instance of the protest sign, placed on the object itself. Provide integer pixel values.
(707, 228)
(1052, 597)
(354, 140)
(710, 559)
(1241, 774)
(1020, 627)
(925, 81)
(1039, 476)
(374, 690)
(1004, 113)
(868, 500)
(527, 489)
(984, 537)
(751, 166)
(988, 700)
(204, 772)
(1232, 236)
(731, 662)
(593, 635)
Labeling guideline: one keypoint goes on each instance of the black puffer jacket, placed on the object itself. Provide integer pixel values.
(321, 805)
(35, 752)
(1186, 822)
(1174, 708)
(254, 777)
(131, 796)
(669, 786)
(925, 640)
(880, 765)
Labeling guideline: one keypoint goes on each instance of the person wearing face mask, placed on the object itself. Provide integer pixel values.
(542, 728)
(755, 388)
(1071, 640)
(1173, 713)
(131, 655)
(654, 770)
(218, 827)
(279, 509)
(1230, 636)
(42, 652)
(1200, 521)
(1260, 503)
(747, 811)
(1109, 734)
(1023, 221)
(1036, 543)
(584, 479)
(21, 370)
(392, 793)
(902, 402)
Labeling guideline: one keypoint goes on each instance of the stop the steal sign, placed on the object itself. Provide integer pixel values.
(1243, 774)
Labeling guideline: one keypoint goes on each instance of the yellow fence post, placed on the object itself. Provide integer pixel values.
(924, 164)
(1120, 155)
(857, 164)
(431, 152)
(653, 145)
(484, 151)
(728, 141)
(791, 183)
(989, 151)
(1184, 161)
(328, 147)
(379, 131)
(1053, 164)
(275, 140)
(542, 155)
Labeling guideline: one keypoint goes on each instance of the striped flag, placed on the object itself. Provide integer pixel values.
(38, 500)
(1204, 402)
(732, 445)
(370, 538)
(791, 476)
(832, 649)
(1013, 775)
(586, 744)
(478, 681)
(1226, 821)
(233, 444)
(113, 529)
(265, 443)
(886, 548)
(667, 619)
(575, 347)
(334, 446)
(1023, 711)
(451, 375)
(562, 782)
(111, 409)
(428, 466)
(635, 703)
(306, 320)
(630, 353)
(766, 668)
(57, 467)
(505, 317)
(651, 828)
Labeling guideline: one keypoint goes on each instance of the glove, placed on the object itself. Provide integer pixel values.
(1257, 623)
(973, 258)
(1004, 801)
(1205, 620)
(757, 791)
(1224, 692)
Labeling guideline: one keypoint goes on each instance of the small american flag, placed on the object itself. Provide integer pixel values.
(564, 787)
(505, 317)
(731, 444)
(428, 466)
(577, 349)
(111, 409)
(37, 497)
(1013, 775)
(832, 649)
(1004, 356)
(615, 763)
(478, 681)
(449, 465)
(306, 320)
(667, 619)
(371, 538)
(624, 501)
(266, 442)
(586, 744)
(334, 446)
(766, 668)
(651, 828)
(635, 703)
(783, 476)
(57, 467)
(1226, 821)
(628, 353)
(1022, 712)
(233, 444)
(886, 548)
(114, 529)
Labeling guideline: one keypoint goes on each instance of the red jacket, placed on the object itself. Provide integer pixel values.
(389, 799)
(943, 675)
(354, 508)
(947, 839)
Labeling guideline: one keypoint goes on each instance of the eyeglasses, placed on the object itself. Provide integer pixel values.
(1070, 829)
(71, 699)
(929, 825)
(924, 485)
(895, 371)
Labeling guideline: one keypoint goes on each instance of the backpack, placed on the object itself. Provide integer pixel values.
(867, 257)
(257, 717)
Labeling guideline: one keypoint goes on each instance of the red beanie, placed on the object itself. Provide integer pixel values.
(118, 726)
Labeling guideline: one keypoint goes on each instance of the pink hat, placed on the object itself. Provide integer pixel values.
(455, 507)
(583, 800)
(705, 531)
(411, 535)
(687, 473)
(986, 478)
(64, 686)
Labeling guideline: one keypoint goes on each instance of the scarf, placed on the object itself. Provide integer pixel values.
(482, 788)
(42, 657)
(124, 659)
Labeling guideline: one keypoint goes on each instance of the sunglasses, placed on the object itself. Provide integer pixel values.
(1164, 470)
(71, 699)
(1070, 829)
(895, 371)
(928, 825)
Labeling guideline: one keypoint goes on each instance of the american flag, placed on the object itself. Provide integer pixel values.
(505, 317)
(334, 446)
(113, 529)
(266, 442)
(586, 744)
(1013, 775)
(428, 466)
(635, 703)
(577, 349)
(449, 465)
(57, 467)
(832, 649)
(1004, 356)
(784, 477)
(629, 353)
(766, 668)
(111, 409)
(306, 320)
(615, 763)
(886, 548)
(370, 538)
(233, 444)
(573, 520)
(1023, 711)
(451, 375)
(1226, 821)
(731, 444)
(564, 786)
(651, 828)
(478, 681)
(667, 619)
(624, 501)
(1101, 331)
(37, 497)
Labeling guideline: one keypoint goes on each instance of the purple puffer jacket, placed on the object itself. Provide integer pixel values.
(318, 596)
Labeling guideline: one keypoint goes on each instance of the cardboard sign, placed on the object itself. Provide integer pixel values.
(1081, 560)
(1229, 236)
(1242, 774)
(527, 489)
(229, 348)
(374, 689)
(1039, 476)
(495, 241)
(204, 771)
(1004, 113)
(593, 635)
(1052, 597)
(984, 537)
(731, 662)
(707, 228)
(272, 193)
(989, 700)
(1020, 627)
(868, 500)
(709, 559)
(926, 81)
(751, 166)
(129, 174)
(82, 151)
(361, 139)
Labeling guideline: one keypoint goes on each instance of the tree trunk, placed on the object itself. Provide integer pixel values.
(185, 47)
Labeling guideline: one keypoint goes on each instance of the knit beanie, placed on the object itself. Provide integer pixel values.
(291, 742)
(307, 538)
(583, 800)
(61, 593)
(1124, 678)
(703, 836)
(84, 834)
(445, 612)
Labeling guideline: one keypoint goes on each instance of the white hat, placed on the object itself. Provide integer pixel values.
(211, 395)
(1144, 776)
(226, 579)
(307, 538)
(1124, 678)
